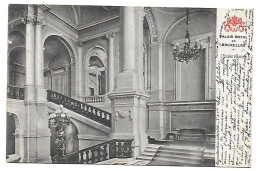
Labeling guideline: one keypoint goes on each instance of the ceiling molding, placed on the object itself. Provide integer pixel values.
(79, 28)
(99, 35)
(64, 20)
(98, 22)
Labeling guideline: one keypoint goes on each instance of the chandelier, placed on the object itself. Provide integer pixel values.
(187, 53)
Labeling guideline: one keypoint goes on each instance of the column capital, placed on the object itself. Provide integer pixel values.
(110, 35)
(38, 19)
(28, 19)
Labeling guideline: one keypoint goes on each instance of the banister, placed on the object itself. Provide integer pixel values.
(14, 92)
(86, 110)
(115, 148)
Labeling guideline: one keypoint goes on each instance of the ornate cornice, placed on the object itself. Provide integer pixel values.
(98, 22)
(99, 35)
(187, 106)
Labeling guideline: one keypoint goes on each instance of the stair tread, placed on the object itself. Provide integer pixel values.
(180, 147)
(153, 146)
(144, 157)
(148, 153)
(179, 156)
(195, 153)
(185, 161)
(151, 149)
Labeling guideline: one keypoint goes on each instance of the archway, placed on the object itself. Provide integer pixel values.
(16, 59)
(97, 76)
(12, 136)
(57, 62)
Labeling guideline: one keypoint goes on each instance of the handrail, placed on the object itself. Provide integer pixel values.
(86, 110)
(14, 92)
(94, 99)
(115, 148)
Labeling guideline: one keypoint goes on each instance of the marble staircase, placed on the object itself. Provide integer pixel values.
(178, 155)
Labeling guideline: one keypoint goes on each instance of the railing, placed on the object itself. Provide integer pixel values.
(108, 150)
(94, 99)
(81, 108)
(14, 92)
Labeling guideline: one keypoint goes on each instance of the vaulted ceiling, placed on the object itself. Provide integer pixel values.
(83, 15)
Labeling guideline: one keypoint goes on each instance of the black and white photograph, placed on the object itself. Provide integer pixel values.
(131, 85)
(111, 85)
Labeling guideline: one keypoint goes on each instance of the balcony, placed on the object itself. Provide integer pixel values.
(14, 92)
(94, 99)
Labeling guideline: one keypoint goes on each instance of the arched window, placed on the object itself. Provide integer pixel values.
(97, 76)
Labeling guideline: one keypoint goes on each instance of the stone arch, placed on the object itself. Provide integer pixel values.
(151, 19)
(94, 51)
(17, 123)
(96, 89)
(67, 76)
(13, 139)
(16, 30)
(67, 43)
(181, 17)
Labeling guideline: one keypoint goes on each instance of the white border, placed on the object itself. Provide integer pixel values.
(168, 3)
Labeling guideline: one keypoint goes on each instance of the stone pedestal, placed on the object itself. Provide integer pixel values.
(129, 119)
(35, 134)
(158, 119)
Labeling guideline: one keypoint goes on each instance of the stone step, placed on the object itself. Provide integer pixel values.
(175, 156)
(178, 162)
(151, 150)
(154, 145)
(148, 153)
(183, 149)
(180, 152)
(144, 157)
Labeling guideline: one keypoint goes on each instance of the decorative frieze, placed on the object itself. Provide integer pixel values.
(187, 106)
(124, 114)
(193, 107)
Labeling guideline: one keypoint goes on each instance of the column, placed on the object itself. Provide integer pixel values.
(80, 78)
(97, 83)
(73, 80)
(145, 70)
(127, 79)
(128, 101)
(139, 14)
(86, 77)
(34, 134)
(39, 60)
(128, 39)
(29, 53)
(111, 60)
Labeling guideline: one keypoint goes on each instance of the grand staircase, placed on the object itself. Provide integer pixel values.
(81, 108)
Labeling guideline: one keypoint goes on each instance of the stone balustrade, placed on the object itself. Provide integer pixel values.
(94, 99)
(14, 92)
